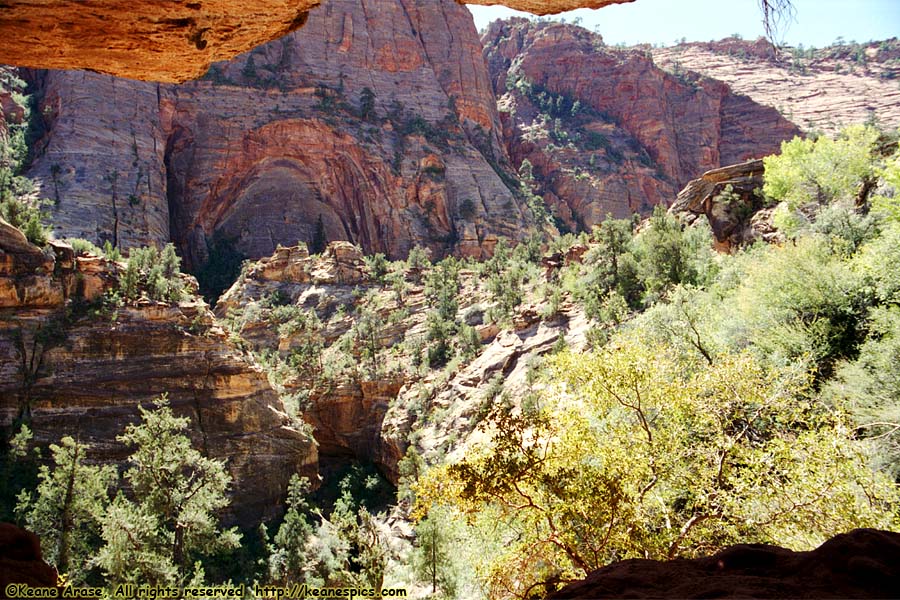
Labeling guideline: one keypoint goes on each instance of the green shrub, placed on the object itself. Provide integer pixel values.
(153, 273)
(27, 216)
(821, 170)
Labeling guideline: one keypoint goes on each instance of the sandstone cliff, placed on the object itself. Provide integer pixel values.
(170, 41)
(70, 365)
(606, 130)
(731, 200)
(377, 119)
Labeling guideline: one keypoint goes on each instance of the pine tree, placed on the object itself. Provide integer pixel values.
(433, 559)
(367, 104)
(291, 554)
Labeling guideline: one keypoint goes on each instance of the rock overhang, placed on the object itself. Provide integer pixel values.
(165, 41)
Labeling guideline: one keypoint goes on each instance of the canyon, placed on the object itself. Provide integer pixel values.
(378, 124)
(364, 397)
(360, 128)
(374, 127)
(375, 122)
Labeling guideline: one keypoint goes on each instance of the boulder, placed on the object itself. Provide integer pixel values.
(864, 563)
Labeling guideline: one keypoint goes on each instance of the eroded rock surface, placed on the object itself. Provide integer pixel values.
(365, 407)
(169, 41)
(864, 563)
(729, 198)
(819, 89)
(70, 366)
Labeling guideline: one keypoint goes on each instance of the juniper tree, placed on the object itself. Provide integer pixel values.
(66, 508)
(171, 514)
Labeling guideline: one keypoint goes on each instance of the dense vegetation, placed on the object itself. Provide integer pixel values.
(748, 397)
(720, 399)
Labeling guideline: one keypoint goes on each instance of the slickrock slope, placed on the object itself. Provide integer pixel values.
(377, 118)
(864, 563)
(364, 394)
(168, 41)
(72, 367)
(637, 134)
(822, 89)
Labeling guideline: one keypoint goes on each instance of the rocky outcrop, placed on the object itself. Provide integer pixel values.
(606, 130)
(819, 89)
(74, 364)
(864, 563)
(375, 123)
(365, 404)
(21, 560)
(729, 198)
(172, 41)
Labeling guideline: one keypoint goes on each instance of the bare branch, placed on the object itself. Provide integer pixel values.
(777, 17)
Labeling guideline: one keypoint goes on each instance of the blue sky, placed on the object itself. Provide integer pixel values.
(817, 22)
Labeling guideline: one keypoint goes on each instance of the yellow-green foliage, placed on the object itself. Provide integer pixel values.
(887, 202)
(638, 454)
(822, 170)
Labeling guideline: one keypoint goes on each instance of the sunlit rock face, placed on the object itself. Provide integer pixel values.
(164, 41)
(638, 133)
(376, 119)
(367, 413)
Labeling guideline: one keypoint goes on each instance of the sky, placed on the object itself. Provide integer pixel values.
(816, 23)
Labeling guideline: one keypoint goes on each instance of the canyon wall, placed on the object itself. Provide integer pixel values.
(368, 397)
(169, 41)
(821, 89)
(606, 130)
(377, 119)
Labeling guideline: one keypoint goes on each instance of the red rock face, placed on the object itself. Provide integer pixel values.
(652, 130)
(158, 41)
(21, 560)
(267, 144)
